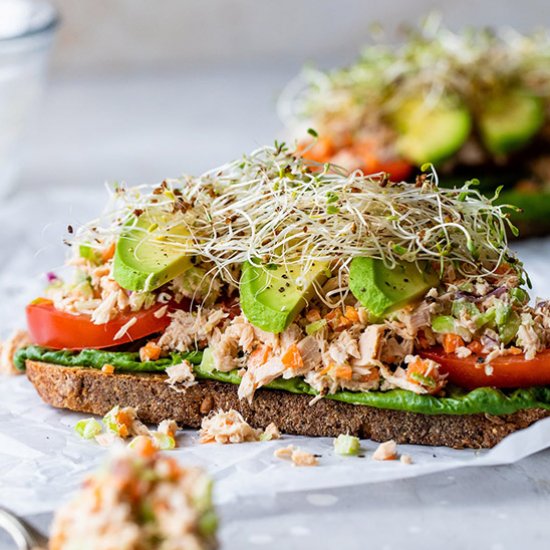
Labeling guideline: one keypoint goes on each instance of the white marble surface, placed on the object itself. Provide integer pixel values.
(144, 129)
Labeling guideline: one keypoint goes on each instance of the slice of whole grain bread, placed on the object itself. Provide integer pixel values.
(92, 391)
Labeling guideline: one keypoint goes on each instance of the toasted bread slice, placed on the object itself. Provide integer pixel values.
(92, 391)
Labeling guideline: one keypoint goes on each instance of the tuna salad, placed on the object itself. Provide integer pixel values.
(474, 103)
(275, 271)
(140, 500)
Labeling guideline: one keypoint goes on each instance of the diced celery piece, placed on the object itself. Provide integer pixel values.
(111, 422)
(486, 319)
(207, 362)
(163, 441)
(316, 326)
(88, 428)
(469, 308)
(202, 494)
(502, 313)
(89, 253)
(508, 331)
(519, 295)
(208, 523)
(443, 324)
(347, 445)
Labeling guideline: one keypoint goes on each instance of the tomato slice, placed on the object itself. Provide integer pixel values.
(508, 371)
(56, 329)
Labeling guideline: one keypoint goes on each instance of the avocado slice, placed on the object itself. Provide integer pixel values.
(431, 133)
(382, 290)
(150, 252)
(508, 122)
(272, 296)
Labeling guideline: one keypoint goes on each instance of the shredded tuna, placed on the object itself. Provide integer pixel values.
(260, 376)
(462, 352)
(187, 329)
(125, 328)
(386, 451)
(8, 348)
(370, 343)
(180, 376)
(406, 459)
(297, 456)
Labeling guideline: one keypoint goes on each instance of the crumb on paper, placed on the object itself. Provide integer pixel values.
(17, 340)
(297, 456)
(386, 451)
(227, 427)
(168, 427)
(122, 423)
(284, 452)
(347, 445)
(230, 427)
(406, 459)
(271, 433)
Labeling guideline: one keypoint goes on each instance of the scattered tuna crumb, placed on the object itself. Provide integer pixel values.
(227, 427)
(180, 376)
(123, 423)
(230, 427)
(18, 339)
(168, 427)
(298, 457)
(106, 439)
(271, 433)
(406, 459)
(284, 452)
(386, 451)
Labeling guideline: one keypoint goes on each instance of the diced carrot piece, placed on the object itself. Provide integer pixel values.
(108, 369)
(337, 321)
(151, 351)
(321, 151)
(259, 356)
(372, 376)
(475, 347)
(352, 314)
(292, 358)
(313, 315)
(343, 371)
(422, 373)
(451, 342)
(108, 253)
(144, 446)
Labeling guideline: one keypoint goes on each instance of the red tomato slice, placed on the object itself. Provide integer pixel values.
(56, 329)
(373, 161)
(509, 371)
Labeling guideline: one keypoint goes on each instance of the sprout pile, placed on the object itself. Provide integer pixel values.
(431, 62)
(273, 208)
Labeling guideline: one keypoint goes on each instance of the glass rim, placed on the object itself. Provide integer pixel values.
(48, 27)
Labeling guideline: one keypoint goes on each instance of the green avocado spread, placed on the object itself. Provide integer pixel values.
(456, 401)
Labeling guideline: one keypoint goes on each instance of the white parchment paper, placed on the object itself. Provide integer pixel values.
(42, 459)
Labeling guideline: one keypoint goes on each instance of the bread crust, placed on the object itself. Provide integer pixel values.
(92, 391)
